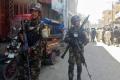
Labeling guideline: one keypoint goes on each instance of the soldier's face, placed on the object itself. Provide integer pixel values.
(77, 23)
(35, 14)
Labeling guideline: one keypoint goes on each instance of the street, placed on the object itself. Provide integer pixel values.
(101, 65)
(31, 33)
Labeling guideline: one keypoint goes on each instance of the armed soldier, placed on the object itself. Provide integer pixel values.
(74, 37)
(37, 20)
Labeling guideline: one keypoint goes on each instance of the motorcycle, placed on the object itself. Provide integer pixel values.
(10, 70)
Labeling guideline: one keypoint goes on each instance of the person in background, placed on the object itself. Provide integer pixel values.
(93, 34)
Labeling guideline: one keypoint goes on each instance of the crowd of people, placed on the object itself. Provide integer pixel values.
(107, 35)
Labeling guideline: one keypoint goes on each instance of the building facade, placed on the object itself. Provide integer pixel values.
(107, 17)
(72, 9)
(10, 8)
(112, 17)
(48, 11)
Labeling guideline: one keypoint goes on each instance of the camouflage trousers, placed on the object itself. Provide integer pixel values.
(74, 58)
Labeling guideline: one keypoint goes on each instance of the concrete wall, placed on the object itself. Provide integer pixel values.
(72, 6)
(72, 10)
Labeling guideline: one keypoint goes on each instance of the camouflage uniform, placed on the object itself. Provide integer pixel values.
(74, 52)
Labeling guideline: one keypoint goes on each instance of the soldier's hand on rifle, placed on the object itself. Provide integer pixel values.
(83, 60)
(62, 56)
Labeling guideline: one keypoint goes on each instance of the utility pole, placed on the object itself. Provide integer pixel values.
(112, 15)
(65, 13)
(65, 16)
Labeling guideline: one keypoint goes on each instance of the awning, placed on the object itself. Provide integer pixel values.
(22, 17)
(45, 1)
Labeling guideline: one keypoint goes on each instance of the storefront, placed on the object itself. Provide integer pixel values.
(48, 11)
(8, 9)
(3, 18)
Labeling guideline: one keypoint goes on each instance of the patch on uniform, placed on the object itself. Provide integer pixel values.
(75, 35)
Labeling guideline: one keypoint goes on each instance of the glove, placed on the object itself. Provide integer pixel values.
(83, 60)
(66, 40)
(62, 56)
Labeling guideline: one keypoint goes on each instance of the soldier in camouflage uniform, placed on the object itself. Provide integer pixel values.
(74, 52)
(37, 23)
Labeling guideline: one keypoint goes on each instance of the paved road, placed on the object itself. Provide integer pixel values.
(100, 63)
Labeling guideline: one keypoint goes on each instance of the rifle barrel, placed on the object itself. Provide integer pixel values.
(67, 48)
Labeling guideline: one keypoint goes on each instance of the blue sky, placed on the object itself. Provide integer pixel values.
(94, 8)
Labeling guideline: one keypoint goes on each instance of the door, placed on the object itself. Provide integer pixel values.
(3, 19)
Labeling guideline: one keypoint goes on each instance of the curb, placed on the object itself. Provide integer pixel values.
(112, 50)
